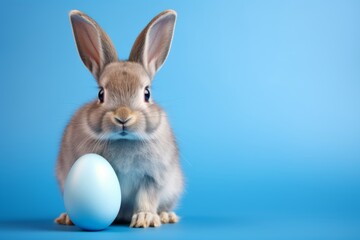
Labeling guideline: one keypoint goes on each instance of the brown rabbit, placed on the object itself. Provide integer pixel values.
(125, 125)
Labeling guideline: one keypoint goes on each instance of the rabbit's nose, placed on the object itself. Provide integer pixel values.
(122, 115)
(122, 121)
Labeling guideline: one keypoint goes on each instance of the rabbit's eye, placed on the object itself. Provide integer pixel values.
(101, 95)
(147, 94)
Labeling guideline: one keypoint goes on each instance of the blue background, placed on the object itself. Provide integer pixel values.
(264, 97)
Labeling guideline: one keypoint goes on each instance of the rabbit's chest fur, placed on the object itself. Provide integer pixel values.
(137, 165)
(133, 162)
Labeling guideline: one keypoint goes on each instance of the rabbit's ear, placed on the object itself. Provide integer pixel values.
(153, 44)
(95, 47)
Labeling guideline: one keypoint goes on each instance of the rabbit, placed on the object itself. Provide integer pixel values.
(124, 124)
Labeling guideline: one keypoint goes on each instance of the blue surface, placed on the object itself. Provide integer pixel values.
(264, 97)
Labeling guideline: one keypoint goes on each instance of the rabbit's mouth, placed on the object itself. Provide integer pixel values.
(123, 133)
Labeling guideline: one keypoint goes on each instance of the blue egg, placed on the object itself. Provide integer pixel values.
(92, 193)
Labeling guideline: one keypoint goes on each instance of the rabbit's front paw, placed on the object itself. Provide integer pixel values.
(145, 219)
(168, 217)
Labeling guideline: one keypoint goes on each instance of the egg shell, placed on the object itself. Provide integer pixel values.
(92, 193)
